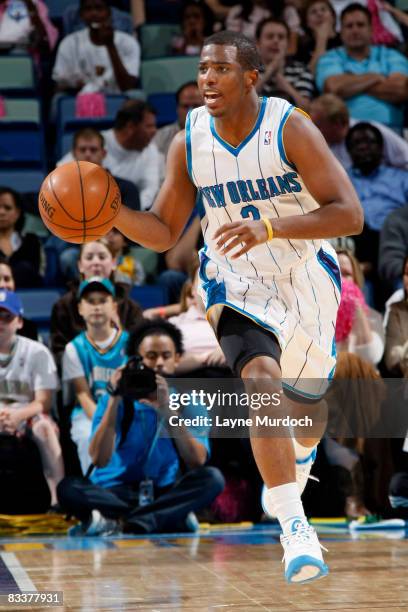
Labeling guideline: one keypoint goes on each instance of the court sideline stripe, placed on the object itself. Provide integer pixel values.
(7, 582)
(17, 571)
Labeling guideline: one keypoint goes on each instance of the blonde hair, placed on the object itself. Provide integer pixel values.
(357, 398)
(334, 108)
(358, 276)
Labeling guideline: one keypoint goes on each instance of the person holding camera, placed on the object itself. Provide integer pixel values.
(136, 486)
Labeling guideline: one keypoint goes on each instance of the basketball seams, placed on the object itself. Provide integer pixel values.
(83, 202)
(59, 202)
(79, 229)
(104, 201)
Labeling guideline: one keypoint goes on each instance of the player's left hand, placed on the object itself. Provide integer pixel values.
(246, 233)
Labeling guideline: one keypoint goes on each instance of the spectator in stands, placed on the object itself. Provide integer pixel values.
(245, 17)
(398, 492)
(91, 357)
(358, 328)
(332, 117)
(88, 144)
(393, 248)
(128, 270)
(130, 150)
(187, 97)
(319, 26)
(137, 476)
(23, 252)
(386, 30)
(281, 77)
(202, 351)
(72, 20)
(196, 24)
(27, 379)
(365, 333)
(381, 189)
(97, 58)
(355, 401)
(372, 79)
(29, 328)
(26, 24)
(396, 347)
(95, 259)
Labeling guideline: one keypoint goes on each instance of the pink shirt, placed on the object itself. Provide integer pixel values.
(198, 336)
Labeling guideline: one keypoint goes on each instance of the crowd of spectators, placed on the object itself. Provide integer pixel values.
(345, 63)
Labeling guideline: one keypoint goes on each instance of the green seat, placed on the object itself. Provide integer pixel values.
(148, 258)
(34, 225)
(16, 73)
(155, 39)
(166, 75)
(21, 110)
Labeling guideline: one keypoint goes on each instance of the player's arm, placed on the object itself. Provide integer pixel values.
(339, 212)
(160, 228)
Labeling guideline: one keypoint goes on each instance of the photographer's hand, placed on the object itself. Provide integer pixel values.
(161, 403)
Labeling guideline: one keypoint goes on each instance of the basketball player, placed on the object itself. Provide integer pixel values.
(271, 191)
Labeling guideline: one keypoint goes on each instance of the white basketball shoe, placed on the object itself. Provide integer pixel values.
(302, 553)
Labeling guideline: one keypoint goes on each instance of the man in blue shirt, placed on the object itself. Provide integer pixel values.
(373, 80)
(136, 479)
(381, 190)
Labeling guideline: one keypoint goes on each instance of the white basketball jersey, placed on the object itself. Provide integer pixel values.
(249, 181)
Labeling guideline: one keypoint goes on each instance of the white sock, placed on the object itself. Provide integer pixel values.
(302, 452)
(284, 502)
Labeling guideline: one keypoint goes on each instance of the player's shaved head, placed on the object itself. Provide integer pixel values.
(247, 53)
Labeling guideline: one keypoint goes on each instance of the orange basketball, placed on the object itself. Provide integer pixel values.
(79, 201)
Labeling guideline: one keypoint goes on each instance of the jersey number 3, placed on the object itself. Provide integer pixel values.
(250, 211)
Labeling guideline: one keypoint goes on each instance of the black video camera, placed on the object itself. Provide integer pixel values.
(137, 381)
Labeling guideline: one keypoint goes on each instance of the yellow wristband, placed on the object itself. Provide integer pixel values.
(268, 226)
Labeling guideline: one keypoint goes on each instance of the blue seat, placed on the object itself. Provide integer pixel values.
(24, 181)
(165, 106)
(21, 134)
(38, 303)
(149, 296)
(68, 123)
(56, 8)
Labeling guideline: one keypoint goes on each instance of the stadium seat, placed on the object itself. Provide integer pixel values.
(167, 11)
(38, 303)
(24, 181)
(155, 39)
(68, 123)
(165, 106)
(21, 134)
(56, 8)
(167, 74)
(149, 296)
(16, 75)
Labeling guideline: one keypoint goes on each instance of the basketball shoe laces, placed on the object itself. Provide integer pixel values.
(303, 475)
(301, 537)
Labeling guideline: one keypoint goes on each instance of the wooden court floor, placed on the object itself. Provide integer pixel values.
(237, 570)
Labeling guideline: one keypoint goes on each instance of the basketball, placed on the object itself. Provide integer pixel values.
(79, 201)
